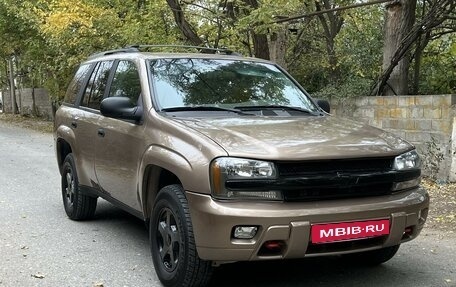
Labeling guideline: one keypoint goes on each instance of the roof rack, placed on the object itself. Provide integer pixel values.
(137, 48)
(201, 49)
(110, 52)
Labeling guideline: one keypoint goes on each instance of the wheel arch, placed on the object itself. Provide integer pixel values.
(155, 178)
(63, 148)
(64, 143)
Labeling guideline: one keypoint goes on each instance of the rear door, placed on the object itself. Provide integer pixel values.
(119, 142)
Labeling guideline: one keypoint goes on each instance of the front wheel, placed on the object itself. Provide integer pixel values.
(173, 246)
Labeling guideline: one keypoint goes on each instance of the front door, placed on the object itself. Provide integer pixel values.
(119, 142)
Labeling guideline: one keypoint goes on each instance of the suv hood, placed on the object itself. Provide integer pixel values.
(297, 138)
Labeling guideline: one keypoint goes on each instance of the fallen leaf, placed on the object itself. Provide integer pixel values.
(38, 275)
(24, 247)
(98, 285)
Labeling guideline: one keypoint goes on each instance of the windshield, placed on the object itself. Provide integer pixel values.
(223, 83)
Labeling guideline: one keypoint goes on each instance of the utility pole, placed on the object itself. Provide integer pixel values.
(12, 90)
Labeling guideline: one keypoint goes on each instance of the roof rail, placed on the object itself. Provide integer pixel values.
(110, 52)
(201, 49)
(137, 48)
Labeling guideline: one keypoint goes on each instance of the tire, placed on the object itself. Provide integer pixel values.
(77, 205)
(374, 257)
(172, 243)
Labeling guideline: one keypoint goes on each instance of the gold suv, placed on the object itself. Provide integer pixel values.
(227, 158)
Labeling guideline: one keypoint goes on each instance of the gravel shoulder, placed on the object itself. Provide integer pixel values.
(442, 210)
(36, 124)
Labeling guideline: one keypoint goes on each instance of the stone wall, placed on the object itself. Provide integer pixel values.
(428, 122)
(24, 98)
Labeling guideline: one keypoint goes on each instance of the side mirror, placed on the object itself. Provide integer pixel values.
(324, 105)
(120, 108)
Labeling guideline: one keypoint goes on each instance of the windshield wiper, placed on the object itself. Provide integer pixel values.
(204, 108)
(282, 107)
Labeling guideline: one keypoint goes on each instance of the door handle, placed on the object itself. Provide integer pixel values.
(101, 132)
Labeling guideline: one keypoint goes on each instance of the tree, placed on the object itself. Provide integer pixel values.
(399, 18)
(331, 23)
(332, 47)
(439, 12)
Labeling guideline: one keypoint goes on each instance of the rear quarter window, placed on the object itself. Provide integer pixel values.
(76, 84)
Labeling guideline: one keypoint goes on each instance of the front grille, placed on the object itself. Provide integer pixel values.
(330, 179)
(331, 192)
(287, 169)
(342, 178)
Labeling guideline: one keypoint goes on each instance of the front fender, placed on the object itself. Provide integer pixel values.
(191, 170)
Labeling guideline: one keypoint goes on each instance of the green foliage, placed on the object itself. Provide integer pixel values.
(350, 87)
(49, 38)
(438, 67)
(359, 44)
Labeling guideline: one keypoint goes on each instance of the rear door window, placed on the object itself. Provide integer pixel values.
(96, 86)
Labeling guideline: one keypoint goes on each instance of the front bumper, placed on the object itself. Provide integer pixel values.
(290, 223)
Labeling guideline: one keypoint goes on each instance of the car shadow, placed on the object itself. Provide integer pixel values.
(323, 271)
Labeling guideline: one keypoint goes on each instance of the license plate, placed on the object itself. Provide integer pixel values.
(333, 232)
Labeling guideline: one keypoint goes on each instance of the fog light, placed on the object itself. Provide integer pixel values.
(245, 232)
(406, 184)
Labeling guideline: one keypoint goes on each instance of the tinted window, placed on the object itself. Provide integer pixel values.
(76, 84)
(97, 84)
(126, 82)
(225, 83)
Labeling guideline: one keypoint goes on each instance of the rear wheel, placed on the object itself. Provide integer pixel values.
(77, 205)
(374, 257)
(173, 247)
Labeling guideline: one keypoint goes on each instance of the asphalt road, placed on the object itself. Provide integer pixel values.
(40, 246)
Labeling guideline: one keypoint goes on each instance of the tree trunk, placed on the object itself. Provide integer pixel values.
(12, 88)
(331, 23)
(420, 45)
(399, 19)
(184, 26)
(260, 41)
(260, 45)
(34, 108)
(278, 47)
(438, 12)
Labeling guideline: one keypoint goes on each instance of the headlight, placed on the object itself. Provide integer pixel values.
(408, 160)
(227, 169)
